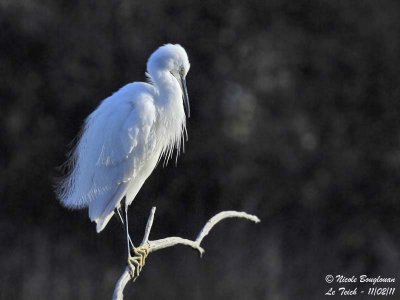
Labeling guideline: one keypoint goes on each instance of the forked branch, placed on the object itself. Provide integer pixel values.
(173, 241)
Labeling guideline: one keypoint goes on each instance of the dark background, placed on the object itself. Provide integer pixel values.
(295, 118)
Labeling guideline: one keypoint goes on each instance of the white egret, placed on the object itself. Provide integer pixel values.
(125, 137)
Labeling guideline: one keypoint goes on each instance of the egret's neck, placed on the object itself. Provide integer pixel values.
(170, 93)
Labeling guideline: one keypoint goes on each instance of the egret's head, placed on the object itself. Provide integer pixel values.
(173, 59)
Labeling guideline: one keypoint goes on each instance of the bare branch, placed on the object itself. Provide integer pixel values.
(173, 241)
(221, 216)
(120, 286)
(148, 226)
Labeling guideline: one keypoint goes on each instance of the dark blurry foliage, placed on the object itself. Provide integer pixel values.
(295, 118)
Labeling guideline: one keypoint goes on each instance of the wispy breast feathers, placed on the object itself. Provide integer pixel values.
(111, 147)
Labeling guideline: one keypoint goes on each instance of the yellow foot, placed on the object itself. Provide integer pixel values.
(137, 260)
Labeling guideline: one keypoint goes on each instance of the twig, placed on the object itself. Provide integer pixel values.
(173, 241)
(148, 226)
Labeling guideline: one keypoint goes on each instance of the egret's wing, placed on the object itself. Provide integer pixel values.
(112, 146)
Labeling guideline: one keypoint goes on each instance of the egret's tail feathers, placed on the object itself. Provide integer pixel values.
(102, 209)
(101, 223)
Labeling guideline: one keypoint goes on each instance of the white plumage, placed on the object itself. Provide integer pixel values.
(125, 137)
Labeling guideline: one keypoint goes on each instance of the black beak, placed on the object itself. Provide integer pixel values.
(185, 96)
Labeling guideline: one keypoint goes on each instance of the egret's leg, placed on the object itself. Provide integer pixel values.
(136, 256)
(138, 260)
(120, 217)
(141, 252)
(134, 267)
(123, 225)
(127, 230)
(133, 262)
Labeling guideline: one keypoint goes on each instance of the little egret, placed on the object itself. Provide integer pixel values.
(125, 137)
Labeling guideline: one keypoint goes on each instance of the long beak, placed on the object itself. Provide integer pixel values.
(185, 96)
